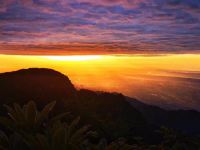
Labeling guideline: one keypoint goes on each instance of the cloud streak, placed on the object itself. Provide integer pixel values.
(87, 26)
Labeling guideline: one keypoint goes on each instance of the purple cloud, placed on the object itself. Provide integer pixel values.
(129, 26)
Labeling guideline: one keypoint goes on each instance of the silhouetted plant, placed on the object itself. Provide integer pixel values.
(27, 118)
(27, 128)
(60, 136)
(119, 144)
(37, 131)
(177, 141)
(11, 142)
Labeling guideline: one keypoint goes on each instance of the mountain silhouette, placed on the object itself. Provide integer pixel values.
(40, 85)
(113, 114)
(109, 112)
(182, 120)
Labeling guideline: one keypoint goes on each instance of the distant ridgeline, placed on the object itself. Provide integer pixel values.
(112, 115)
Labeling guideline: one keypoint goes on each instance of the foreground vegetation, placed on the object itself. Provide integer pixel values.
(27, 128)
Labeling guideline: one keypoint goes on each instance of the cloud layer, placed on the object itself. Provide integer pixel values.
(99, 26)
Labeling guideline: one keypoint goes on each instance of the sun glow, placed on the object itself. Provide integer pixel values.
(74, 58)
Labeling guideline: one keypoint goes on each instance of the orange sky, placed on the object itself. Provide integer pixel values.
(133, 75)
(101, 69)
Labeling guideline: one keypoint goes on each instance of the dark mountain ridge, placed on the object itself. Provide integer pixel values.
(183, 120)
(111, 113)
(41, 85)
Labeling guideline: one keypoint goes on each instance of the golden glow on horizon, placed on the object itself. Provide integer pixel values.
(73, 57)
(133, 75)
(114, 62)
(104, 72)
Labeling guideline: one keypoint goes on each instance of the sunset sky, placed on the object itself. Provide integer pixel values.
(147, 49)
(52, 27)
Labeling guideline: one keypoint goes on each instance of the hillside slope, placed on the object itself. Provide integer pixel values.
(183, 120)
(108, 112)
